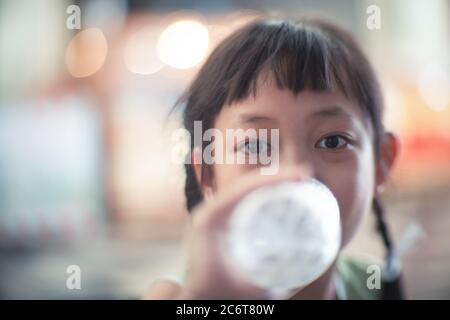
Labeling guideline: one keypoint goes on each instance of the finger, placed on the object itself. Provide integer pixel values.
(163, 289)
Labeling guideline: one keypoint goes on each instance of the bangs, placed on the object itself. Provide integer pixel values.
(293, 56)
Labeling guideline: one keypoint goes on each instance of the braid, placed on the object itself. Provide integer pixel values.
(392, 264)
(381, 225)
(392, 283)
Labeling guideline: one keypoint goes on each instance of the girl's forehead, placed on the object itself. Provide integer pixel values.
(271, 103)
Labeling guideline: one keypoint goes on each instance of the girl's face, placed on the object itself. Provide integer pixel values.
(323, 131)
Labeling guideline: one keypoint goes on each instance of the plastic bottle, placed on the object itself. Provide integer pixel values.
(285, 236)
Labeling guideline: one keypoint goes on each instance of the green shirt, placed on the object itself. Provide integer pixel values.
(353, 275)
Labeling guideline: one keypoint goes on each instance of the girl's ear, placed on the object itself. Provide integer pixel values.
(202, 174)
(389, 148)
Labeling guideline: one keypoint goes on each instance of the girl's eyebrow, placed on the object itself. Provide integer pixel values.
(333, 111)
(328, 112)
(251, 118)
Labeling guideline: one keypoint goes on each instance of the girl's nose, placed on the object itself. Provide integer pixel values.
(302, 170)
(298, 160)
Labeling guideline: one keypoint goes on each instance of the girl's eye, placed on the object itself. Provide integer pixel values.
(254, 147)
(333, 142)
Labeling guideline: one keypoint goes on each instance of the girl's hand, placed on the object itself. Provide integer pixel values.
(209, 271)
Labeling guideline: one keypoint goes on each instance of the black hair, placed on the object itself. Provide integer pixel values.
(301, 54)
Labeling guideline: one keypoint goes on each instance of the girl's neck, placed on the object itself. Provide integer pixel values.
(321, 289)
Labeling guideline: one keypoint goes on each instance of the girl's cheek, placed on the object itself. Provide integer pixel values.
(351, 182)
(225, 174)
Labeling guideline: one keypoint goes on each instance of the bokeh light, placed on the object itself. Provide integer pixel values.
(434, 87)
(183, 44)
(140, 54)
(86, 52)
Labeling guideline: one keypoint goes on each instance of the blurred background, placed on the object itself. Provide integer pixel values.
(86, 176)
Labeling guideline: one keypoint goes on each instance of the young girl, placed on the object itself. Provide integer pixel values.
(309, 80)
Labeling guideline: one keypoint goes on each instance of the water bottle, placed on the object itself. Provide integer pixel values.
(284, 237)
